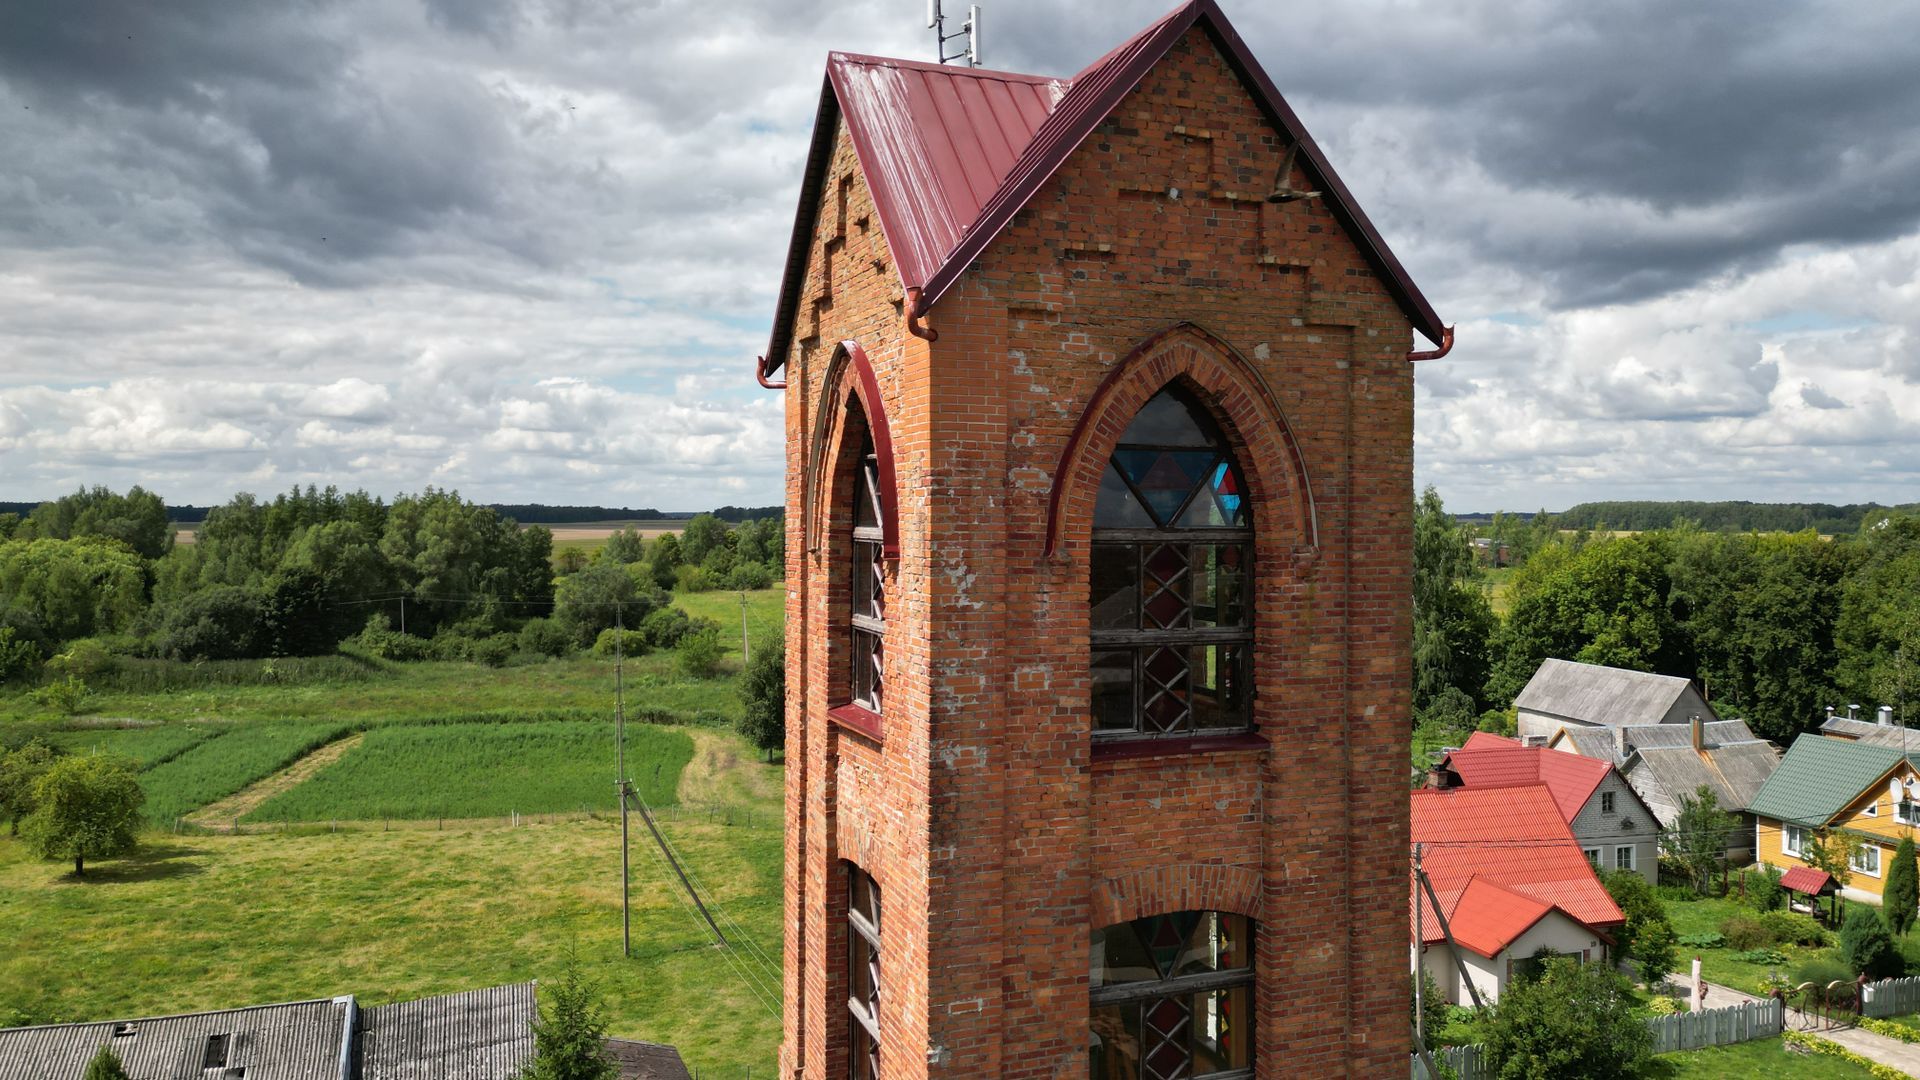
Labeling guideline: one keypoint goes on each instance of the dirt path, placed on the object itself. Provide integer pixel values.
(221, 816)
(719, 773)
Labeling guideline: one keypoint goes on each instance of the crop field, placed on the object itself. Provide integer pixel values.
(484, 770)
(228, 762)
(148, 746)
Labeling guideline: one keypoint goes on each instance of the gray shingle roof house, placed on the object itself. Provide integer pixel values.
(476, 1035)
(1563, 693)
(1878, 733)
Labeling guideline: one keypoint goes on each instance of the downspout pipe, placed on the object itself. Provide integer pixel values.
(760, 374)
(1446, 346)
(914, 314)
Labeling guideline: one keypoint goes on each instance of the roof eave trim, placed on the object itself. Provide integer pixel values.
(800, 246)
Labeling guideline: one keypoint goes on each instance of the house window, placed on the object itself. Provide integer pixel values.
(1592, 854)
(1872, 809)
(1793, 840)
(1907, 812)
(1866, 859)
(1606, 802)
(1623, 857)
(1171, 624)
(1172, 997)
(215, 1056)
(863, 975)
(869, 621)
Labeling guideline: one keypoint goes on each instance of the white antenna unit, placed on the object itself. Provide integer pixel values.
(970, 30)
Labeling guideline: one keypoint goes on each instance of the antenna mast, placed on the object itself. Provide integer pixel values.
(937, 22)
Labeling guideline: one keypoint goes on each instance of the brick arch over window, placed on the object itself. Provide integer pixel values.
(1178, 887)
(1240, 399)
(850, 373)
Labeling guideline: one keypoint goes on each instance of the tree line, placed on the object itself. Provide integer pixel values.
(1774, 626)
(426, 574)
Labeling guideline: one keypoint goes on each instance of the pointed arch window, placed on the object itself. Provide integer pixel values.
(868, 623)
(1172, 998)
(1171, 620)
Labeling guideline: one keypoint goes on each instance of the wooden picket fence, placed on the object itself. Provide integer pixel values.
(1680, 1031)
(1890, 997)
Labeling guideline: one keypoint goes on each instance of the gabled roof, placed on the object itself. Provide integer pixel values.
(301, 1040)
(1570, 778)
(1713, 733)
(477, 1035)
(1595, 694)
(1866, 731)
(1510, 836)
(1820, 776)
(1489, 916)
(1735, 772)
(1805, 879)
(952, 154)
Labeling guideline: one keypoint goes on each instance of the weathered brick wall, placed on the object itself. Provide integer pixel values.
(999, 838)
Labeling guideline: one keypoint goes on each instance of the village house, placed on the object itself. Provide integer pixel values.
(1665, 763)
(1510, 880)
(1613, 826)
(1099, 425)
(1566, 694)
(1851, 788)
(1881, 730)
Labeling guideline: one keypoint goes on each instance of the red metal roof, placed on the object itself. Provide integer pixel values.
(1805, 879)
(1490, 916)
(1513, 837)
(1504, 763)
(1487, 740)
(952, 154)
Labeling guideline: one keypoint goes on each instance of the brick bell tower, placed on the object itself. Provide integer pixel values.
(1100, 458)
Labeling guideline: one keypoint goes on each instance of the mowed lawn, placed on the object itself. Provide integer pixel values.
(485, 770)
(207, 922)
(1762, 1059)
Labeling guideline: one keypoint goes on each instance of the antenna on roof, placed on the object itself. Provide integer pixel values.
(937, 22)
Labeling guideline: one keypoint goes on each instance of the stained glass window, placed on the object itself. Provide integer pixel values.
(1170, 617)
(1172, 998)
(869, 621)
(863, 975)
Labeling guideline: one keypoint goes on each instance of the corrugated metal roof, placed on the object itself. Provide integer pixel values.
(1820, 776)
(646, 1061)
(952, 154)
(1601, 695)
(1571, 778)
(1735, 773)
(1805, 879)
(477, 1035)
(1867, 731)
(302, 1040)
(1513, 837)
(1489, 916)
(1712, 733)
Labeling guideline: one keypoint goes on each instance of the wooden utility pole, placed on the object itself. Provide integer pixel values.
(621, 784)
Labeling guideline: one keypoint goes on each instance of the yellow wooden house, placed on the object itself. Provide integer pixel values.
(1868, 792)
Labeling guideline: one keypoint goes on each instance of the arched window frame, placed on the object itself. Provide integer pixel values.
(1171, 996)
(855, 478)
(864, 974)
(1147, 621)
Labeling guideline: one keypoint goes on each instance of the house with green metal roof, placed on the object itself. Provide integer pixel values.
(1825, 786)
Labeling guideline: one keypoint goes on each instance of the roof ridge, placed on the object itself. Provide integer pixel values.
(944, 69)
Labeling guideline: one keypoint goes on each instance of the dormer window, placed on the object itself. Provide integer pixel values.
(1171, 619)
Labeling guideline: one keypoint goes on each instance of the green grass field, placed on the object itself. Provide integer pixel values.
(766, 614)
(1762, 1059)
(386, 912)
(484, 770)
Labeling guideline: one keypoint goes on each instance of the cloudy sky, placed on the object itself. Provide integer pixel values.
(529, 249)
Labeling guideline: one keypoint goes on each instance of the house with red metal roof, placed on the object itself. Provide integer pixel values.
(1510, 880)
(1616, 829)
(1099, 412)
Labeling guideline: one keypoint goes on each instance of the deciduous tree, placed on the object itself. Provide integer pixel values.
(1575, 1022)
(1697, 841)
(763, 695)
(85, 807)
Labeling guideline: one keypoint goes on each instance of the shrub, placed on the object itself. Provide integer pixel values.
(1653, 950)
(699, 653)
(106, 1065)
(664, 628)
(750, 575)
(1792, 928)
(1705, 940)
(545, 637)
(85, 658)
(1902, 890)
(1866, 945)
(19, 657)
(64, 696)
(1764, 891)
(378, 638)
(1746, 932)
(630, 642)
(494, 651)
(1575, 1021)
(1821, 972)
(692, 579)
(1761, 956)
(1662, 1005)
